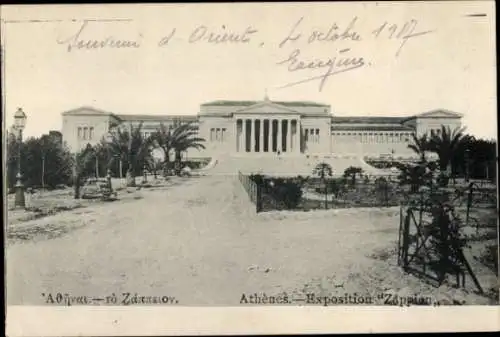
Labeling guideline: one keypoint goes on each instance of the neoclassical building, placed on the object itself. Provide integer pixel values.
(266, 128)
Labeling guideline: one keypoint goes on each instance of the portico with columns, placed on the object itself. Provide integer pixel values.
(261, 128)
(260, 134)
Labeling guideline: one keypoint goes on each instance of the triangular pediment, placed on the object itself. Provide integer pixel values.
(439, 113)
(85, 111)
(266, 108)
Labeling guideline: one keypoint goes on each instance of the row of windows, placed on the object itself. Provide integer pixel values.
(217, 134)
(85, 133)
(373, 137)
(311, 135)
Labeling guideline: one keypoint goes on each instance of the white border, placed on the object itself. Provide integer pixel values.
(73, 321)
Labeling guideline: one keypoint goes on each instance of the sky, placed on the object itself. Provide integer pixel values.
(446, 58)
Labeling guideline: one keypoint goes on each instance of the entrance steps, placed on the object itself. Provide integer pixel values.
(287, 165)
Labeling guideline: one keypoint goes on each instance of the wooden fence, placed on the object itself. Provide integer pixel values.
(252, 189)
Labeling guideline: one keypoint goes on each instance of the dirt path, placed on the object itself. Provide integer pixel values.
(200, 243)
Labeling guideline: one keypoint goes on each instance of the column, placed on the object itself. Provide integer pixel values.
(288, 135)
(236, 136)
(269, 135)
(297, 136)
(244, 132)
(261, 135)
(279, 137)
(252, 135)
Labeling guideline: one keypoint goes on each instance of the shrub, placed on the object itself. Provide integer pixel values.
(351, 172)
(258, 179)
(289, 192)
(442, 179)
(382, 190)
(335, 186)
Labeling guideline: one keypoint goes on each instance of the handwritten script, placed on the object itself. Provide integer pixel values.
(339, 43)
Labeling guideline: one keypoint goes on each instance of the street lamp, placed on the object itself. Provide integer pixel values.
(144, 174)
(19, 124)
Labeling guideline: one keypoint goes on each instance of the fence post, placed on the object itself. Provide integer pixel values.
(258, 202)
(386, 193)
(406, 237)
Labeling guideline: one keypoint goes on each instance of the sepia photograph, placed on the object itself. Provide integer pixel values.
(326, 156)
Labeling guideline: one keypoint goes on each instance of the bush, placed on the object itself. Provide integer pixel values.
(288, 192)
(442, 179)
(281, 193)
(351, 172)
(258, 179)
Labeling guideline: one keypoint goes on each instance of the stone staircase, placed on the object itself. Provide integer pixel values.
(287, 166)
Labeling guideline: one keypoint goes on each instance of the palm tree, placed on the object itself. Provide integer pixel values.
(323, 170)
(420, 145)
(131, 147)
(80, 161)
(162, 138)
(352, 172)
(182, 138)
(446, 143)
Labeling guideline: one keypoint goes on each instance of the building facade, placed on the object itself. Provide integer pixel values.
(266, 128)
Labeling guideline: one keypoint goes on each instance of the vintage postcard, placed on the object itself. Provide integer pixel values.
(250, 168)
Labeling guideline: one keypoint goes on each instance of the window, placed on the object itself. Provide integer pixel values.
(212, 134)
(91, 132)
(85, 133)
(79, 133)
(223, 134)
(317, 135)
(217, 134)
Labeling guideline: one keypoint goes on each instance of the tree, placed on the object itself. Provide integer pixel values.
(81, 161)
(445, 144)
(481, 159)
(323, 170)
(183, 138)
(351, 172)
(132, 148)
(162, 138)
(420, 145)
(45, 162)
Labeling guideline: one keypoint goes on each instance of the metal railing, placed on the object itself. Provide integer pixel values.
(252, 189)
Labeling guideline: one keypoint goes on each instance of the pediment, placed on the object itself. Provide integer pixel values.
(440, 113)
(266, 108)
(86, 111)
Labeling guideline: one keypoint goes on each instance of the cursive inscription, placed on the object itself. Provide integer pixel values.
(203, 34)
(397, 32)
(331, 66)
(77, 42)
(332, 34)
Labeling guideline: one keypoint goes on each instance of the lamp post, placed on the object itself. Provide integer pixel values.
(144, 174)
(467, 159)
(19, 124)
